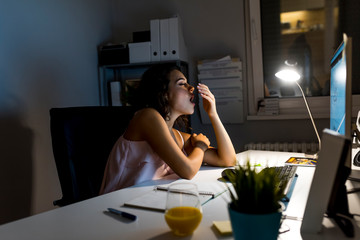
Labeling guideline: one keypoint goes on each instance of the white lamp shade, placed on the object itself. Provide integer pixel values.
(288, 75)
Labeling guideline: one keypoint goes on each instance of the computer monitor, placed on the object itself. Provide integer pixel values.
(334, 163)
(340, 88)
(340, 121)
(327, 188)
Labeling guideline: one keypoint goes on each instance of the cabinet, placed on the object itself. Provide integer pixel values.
(120, 73)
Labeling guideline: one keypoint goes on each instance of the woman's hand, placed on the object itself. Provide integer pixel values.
(225, 154)
(200, 141)
(209, 103)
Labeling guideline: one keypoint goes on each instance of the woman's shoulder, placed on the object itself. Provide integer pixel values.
(146, 113)
(146, 117)
(144, 123)
(141, 123)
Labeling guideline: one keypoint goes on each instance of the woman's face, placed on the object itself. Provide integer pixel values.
(181, 94)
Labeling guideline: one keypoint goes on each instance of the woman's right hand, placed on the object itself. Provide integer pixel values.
(200, 141)
(209, 102)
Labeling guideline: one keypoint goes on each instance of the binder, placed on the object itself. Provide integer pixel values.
(177, 44)
(155, 39)
(164, 39)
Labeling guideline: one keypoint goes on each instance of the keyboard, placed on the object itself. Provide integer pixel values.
(287, 176)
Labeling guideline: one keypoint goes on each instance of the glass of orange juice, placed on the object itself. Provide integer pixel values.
(183, 208)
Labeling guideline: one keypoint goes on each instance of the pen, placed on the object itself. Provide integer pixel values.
(200, 192)
(123, 214)
(214, 196)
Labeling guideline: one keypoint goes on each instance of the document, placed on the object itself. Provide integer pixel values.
(224, 78)
(230, 93)
(225, 62)
(220, 73)
(230, 111)
(223, 82)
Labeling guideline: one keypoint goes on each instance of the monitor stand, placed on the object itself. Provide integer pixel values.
(338, 208)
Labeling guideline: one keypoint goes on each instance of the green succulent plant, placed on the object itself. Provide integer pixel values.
(255, 192)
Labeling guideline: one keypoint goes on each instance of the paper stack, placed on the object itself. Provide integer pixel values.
(167, 41)
(268, 106)
(224, 78)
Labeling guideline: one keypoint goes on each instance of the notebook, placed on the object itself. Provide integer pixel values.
(156, 200)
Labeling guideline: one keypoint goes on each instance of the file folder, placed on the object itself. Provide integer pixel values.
(155, 39)
(164, 39)
(177, 43)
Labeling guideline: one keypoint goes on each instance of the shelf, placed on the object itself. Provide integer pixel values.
(142, 64)
(122, 72)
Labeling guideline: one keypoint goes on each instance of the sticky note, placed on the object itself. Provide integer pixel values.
(224, 227)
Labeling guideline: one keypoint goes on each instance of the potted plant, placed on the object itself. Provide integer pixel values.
(255, 209)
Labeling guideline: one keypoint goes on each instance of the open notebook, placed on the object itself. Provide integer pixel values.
(156, 199)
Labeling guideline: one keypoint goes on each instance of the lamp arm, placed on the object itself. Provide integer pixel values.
(312, 120)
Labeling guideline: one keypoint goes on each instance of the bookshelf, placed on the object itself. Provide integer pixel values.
(120, 73)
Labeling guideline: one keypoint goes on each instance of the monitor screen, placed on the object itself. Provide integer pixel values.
(340, 89)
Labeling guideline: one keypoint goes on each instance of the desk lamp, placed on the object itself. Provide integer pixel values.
(290, 74)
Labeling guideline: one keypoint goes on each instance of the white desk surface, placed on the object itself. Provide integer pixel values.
(87, 219)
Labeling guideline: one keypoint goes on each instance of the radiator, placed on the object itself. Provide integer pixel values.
(284, 147)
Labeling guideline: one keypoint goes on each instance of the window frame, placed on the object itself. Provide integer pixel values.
(290, 108)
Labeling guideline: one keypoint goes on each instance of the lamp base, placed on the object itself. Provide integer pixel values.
(313, 156)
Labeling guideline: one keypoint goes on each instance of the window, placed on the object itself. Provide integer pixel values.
(304, 32)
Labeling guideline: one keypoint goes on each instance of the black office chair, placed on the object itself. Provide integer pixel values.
(82, 138)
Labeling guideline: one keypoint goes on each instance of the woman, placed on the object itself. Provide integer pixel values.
(151, 148)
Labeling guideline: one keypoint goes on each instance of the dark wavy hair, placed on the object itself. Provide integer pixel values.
(153, 91)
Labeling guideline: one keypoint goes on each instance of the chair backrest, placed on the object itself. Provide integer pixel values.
(82, 138)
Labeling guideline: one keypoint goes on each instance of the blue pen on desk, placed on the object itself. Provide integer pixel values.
(123, 214)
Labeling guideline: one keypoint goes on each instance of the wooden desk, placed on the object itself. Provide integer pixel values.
(87, 220)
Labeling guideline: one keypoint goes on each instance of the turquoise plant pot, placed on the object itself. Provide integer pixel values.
(254, 226)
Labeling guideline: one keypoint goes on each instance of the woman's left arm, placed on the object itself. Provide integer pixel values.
(224, 154)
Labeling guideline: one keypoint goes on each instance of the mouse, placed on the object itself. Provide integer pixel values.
(225, 172)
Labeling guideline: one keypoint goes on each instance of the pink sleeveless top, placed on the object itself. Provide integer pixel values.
(133, 162)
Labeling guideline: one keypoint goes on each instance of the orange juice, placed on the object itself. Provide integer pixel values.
(183, 220)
